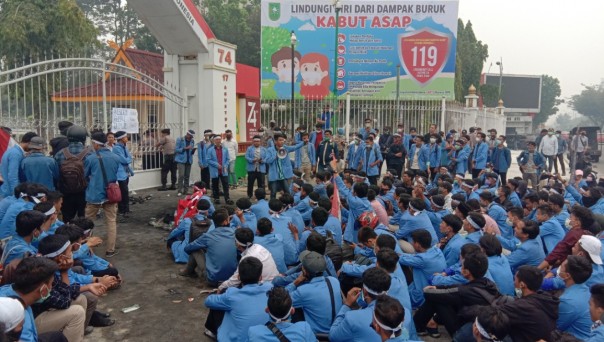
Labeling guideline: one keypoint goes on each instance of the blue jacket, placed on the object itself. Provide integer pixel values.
(422, 159)
(8, 225)
(499, 268)
(351, 325)
(523, 158)
(573, 312)
(182, 231)
(124, 171)
(260, 209)
(244, 308)
(382, 229)
(335, 227)
(281, 227)
(274, 244)
(5, 203)
(436, 217)
(221, 253)
(15, 249)
(497, 213)
(597, 208)
(294, 332)
(294, 272)
(212, 160)
(354, 157)
(38, 168)
(501, 158)
(453, 249)
(515, 199)
(297, 219)
(374, 155)
(480, 155)
(181, 155)
(276, 164)
(304, 208)
(596, 335)
(444, 155)
(90, 262)
(356, 206)
(314, 299)
(9, 169)
(365, 133)
(96, 191)
(249, 157)
(434, 155)
(250, 221)
(551, 232)
(399, 290)
(29, 333)
(412, 223)
(530, 252)
(202, 148)
(424, 266)
(461, 157)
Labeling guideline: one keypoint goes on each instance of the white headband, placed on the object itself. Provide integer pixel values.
(436, 205)
(472, 223)
(51, 211)
(58, 252)
(385, 327)
(274, 213)
(217, 137)
(256, 139)
(484, 333)
(98, 142)
(121, 136)
(467, 185)
(239, 243)
(414, 208)
(374, 293)
(282, 319)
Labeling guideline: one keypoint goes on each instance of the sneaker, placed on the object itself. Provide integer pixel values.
(163, 188)
(433, 332)
(179, 193)
(89, 329)
(173, 187)
(209, 334)
(111, 254)
(185, 273)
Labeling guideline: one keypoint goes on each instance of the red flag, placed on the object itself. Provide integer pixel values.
(335, 201)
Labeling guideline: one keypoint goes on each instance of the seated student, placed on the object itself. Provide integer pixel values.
(319, 217)
(319, 187)
(369, 219)
(32, 282)
(530, 251)
(190, 227)
(303, 207)
(514, 198)
(65, 309)
(317, 295)
(83, 252)
(29, 223)
(436, 212)
(574, 302)
(550, 230)
(283, 226)
(260, 208)
(351, 325)
(376, 205)
(333, 224)
(290, 211)
(315, 243)
(514, 215)
(490, 325)
(448, 301)
(280, 309)
(387, 319)
(581, 219)
(416, 220)
(499, 268)
(451, 242)
(56, 198)
(596, 312)
(244, 217)
(27, 201)
(244, 239)
(474, 225)
(50, 213)
(556, 202)
(233, 312)
(7, 201)
(452, 275)
(531, 202)
(425, 262)
(199, 188)
(357, 204)
(297, 190)
(266, 238)
(215, 250)
(497, 213)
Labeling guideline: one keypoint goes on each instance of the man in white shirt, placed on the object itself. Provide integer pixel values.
(244, 239)
(231, 145)
(549, 148)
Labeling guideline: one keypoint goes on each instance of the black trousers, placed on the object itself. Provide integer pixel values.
(253, 177)
(169, 165)
(503, 176)
(110, 271)
(560, 158)
(398, 167)
(73, 205)
(476, 172)
(124, 205)
(214, 320)
(225, 187)
(447, 316)
(373, 179)
(52, 336)
(205, 176)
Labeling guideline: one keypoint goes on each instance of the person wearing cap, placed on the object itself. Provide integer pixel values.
(10, 164)
(579, 181)
(531, 164)
(96, 192)
(318, 296)
(255, 155)
(280, 170)
(562, 150)
(36, 167)
(242, 307)
(12, 317)
(353, 157)
(202, 155)
(167, 144)
(184, 151)
(548, 147)
(33, 194)
(351, 325)
(123, 172)
(218, 159)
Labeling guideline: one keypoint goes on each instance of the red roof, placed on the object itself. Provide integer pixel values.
(149, 63)
(248, 80)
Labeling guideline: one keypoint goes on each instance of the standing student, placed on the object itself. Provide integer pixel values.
(370, 159)
(501, 159)
(255, 155)
(37, 167)
(202, 158)
(219, 159)
(123, 172)
(396, 155)
(231, 145)
(60, 142)
(280, 168)
(531, 164)
(548, 147)
(562, 150)
(167, 145)
(326, 151)
(11, 163)
(419, 155)
(306, 158)
(479, 155)
(185, 149)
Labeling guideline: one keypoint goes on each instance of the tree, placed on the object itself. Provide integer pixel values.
(550, 99)
(490, 95)
(472, 54)
(590, 103)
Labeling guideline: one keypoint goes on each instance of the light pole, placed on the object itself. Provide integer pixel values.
(293, 42)
(500, 64)
(338, 7)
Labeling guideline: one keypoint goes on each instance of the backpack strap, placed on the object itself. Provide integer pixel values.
(273, 328)
(83, 154)
(489, 298)
(331, 297)
(66, 153)
(105, 181)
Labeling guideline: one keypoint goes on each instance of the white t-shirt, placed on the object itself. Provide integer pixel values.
(232, 147)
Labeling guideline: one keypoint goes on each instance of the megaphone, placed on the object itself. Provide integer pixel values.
(282, 153)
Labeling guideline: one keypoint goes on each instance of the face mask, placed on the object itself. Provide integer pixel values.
(457, 147)
(518, 292)
(367, 125)
(550, 133)
(509, 222)
(399, 130)
(567, 223)
(356, 142)
(432, 140)
(326, 138)
(43, 298)
(557, 135)
(361, 301)
(412, 136)
(498, 142)
(477, 140)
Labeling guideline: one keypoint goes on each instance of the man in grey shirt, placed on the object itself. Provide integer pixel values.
(167, 144)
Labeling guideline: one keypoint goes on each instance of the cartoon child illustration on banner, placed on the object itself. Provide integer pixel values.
(281, 62)
(314, 69)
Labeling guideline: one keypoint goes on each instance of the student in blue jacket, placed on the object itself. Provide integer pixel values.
(184, 152)
(280, 170)
(501, 159)
(529, 248)
(353, 157)
(37, 167)
(242, 308)
(497, 213)
(280, 310)
(218, 160)
(480, 154)
(357, 204)
(179, 237)
(550, 229)
(255, 155)
(10, 164)
(531, 164)
(596, 311)
(123, 172)
(435, 153)
(387, 318)
(26, 201)
(266, 237)
(28, 230)
(260, 208)
(419, 155)
(244, 217)
(499, 268)
(370, 159)
(574, 307)
(451, 242)
(460, 156)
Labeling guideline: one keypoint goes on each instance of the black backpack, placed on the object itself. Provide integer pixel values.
(198, 228)
(72, 179)
(333, 251)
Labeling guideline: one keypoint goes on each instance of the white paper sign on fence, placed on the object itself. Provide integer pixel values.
(124, 119)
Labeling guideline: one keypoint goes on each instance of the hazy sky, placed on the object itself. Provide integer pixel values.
(564, 39)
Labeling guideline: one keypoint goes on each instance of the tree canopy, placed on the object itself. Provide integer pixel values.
(550, 99)
(471, 55)
(590, 103)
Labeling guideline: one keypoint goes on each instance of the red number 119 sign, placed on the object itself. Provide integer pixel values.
(423, 53)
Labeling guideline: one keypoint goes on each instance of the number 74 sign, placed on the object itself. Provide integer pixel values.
(424, 53)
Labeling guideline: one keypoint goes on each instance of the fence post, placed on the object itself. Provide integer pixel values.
(443, 111)
(347, 129)
(183, 113)
(105, 122)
